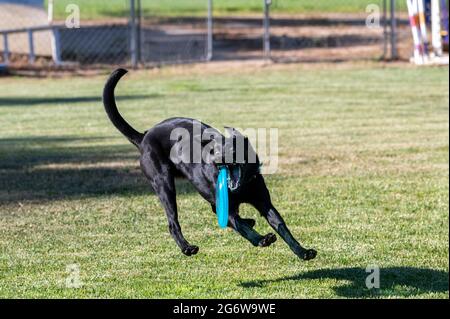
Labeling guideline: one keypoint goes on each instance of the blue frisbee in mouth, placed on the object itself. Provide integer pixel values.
(222, 197)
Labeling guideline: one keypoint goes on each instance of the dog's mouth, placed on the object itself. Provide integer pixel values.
(234, 179)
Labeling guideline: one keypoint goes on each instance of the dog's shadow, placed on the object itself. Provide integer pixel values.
(393, 281)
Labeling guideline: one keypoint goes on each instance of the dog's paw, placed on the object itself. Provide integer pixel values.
(308, 254)
(268, 240)
(249, 221)
(190, 250)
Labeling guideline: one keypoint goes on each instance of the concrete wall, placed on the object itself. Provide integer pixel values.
(17, 16)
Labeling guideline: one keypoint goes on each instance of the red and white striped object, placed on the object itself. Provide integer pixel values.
(414, 20)
(423, 26)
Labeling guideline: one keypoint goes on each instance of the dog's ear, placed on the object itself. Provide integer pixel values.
(228, 131)
(212, 146)
(206, 139)
(234, 133)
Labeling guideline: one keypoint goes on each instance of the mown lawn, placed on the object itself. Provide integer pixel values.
(363, 178)
(119, 8)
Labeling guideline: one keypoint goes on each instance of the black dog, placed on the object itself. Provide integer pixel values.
(161, 164)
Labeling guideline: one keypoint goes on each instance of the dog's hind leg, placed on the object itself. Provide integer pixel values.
(163, 183)
(167, 196)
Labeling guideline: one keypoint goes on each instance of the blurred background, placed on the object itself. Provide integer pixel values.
(86, 33)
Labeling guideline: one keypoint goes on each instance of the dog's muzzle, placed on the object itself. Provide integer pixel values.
(234, 177)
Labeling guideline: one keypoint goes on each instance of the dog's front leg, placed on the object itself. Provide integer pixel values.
(275, 220)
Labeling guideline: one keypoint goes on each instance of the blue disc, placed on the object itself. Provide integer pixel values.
(222, 197)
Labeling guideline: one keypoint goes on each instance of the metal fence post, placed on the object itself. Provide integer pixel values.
(133, 37)
(385, 30)
(139, 31)
(209, 40)
(56, 46)
(266, 40)
(5, 48)
(32, 56)
(394, 53)
(50, 7)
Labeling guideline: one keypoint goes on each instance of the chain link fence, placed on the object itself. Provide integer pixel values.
(329, 36)
(148, 32)
(98, 39)
(351, 30)
(93, 33)
(167, 38)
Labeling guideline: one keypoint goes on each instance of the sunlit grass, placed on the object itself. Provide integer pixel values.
(120, 8)
(363, 178)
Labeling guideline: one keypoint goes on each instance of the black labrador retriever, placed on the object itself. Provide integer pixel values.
(162, 159)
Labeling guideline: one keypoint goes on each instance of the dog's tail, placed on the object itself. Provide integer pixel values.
(109, 102)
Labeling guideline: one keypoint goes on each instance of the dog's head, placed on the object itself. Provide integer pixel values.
(239, 156)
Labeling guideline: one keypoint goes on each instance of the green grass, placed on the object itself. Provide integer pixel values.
(363, 178)
(119, 8)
